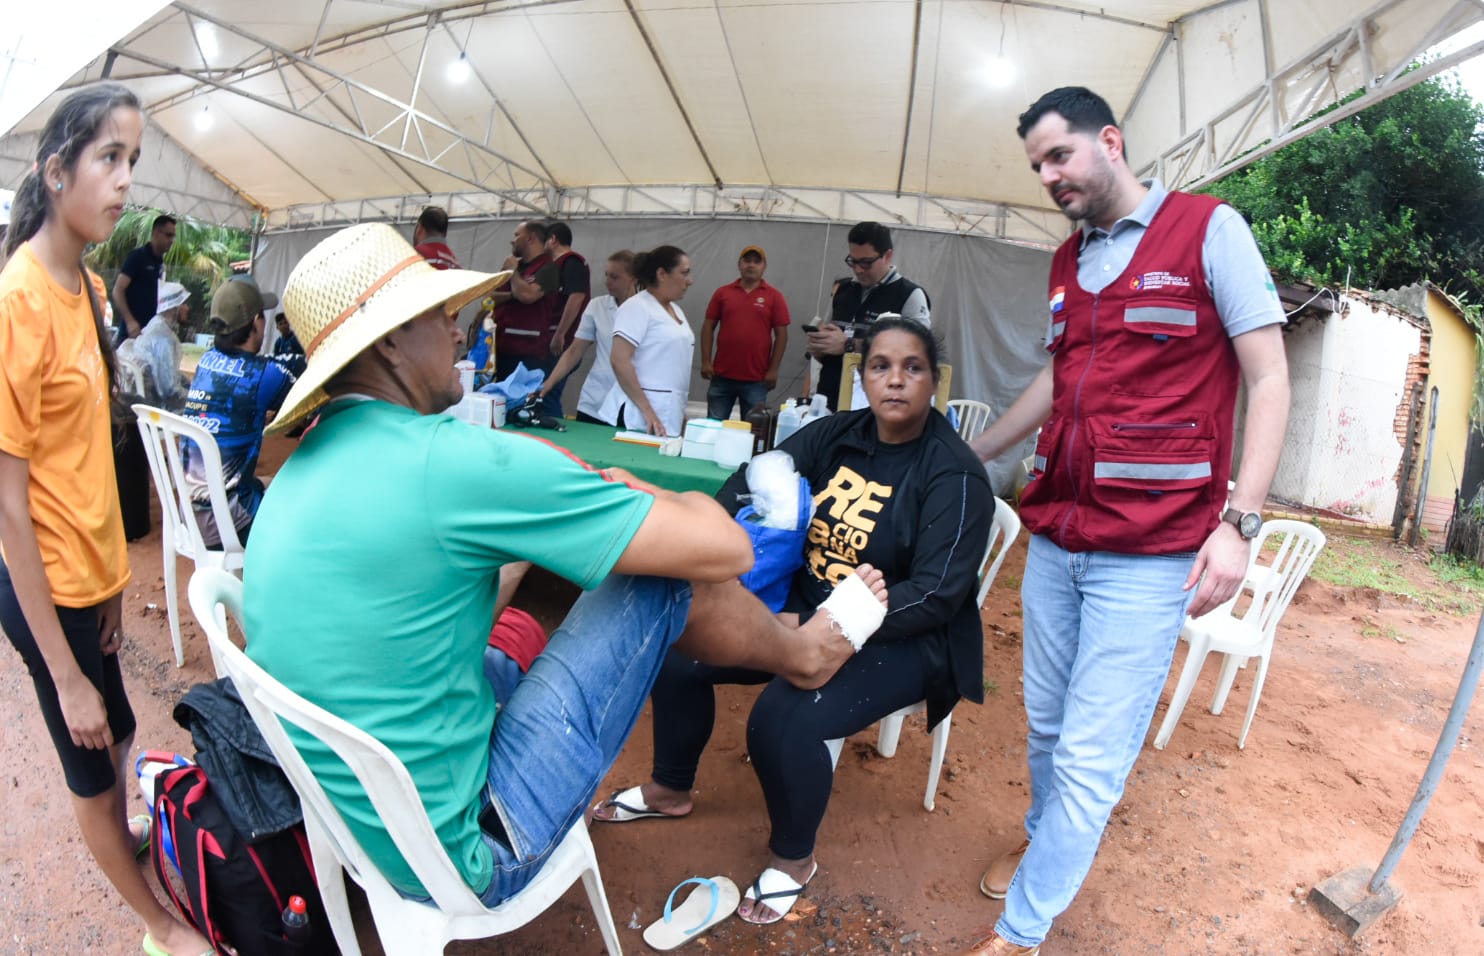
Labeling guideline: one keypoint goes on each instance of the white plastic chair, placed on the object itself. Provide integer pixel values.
(1003, 530)
(1271, 586)
(404, 926)
(972, 417)
(180, 534)
(131, 375)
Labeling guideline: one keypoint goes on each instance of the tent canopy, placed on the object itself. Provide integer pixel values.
(899, 110)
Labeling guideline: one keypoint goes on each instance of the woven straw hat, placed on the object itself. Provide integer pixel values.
(352, 289)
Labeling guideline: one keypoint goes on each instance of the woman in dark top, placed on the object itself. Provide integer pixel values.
(894, 486)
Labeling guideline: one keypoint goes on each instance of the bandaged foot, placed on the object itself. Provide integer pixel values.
(856, 607)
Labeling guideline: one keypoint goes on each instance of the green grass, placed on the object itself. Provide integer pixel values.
(1010, 582)
(1452, 586)
(991, 688)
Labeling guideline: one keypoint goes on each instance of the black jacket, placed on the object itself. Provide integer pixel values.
(941, 518)
(244, 774)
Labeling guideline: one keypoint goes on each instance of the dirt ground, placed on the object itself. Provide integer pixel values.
(1212, 850)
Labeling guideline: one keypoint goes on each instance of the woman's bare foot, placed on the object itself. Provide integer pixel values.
(659, 799)
(825, 649)
(763, 911)
(178, 939)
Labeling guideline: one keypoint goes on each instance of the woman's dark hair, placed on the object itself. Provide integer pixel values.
(930, 344)
(647, 265)
(72, 126)
(226, 341)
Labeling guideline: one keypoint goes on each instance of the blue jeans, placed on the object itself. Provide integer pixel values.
(724, 392)
(562, 724)
(1100, 632)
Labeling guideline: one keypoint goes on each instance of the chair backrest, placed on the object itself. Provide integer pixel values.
(1003, 530)
(850, 364)
(973, 416)
(132, 375)
(1298, 545)
(162, 432)
(214, 593)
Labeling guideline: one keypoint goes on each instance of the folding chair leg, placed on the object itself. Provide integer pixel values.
(1262, 673)
(1195, 658)
(888, 735)
(168, 549)
(940, 750)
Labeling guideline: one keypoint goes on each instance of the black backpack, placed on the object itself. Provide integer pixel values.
(235, 891)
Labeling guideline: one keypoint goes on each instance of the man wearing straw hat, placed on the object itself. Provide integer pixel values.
(372, 575)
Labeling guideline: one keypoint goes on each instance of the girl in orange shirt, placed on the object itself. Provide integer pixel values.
(61, 535)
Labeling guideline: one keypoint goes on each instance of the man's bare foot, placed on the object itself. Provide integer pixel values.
(775, 908)
(824, 650)
(652, 798)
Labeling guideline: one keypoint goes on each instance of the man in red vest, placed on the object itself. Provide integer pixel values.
(430, 238)
(525, 310)
(1159, 305)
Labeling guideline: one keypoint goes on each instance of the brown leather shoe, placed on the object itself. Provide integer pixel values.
(996, 880)
(996, 945)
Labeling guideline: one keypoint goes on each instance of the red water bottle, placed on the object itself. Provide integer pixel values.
(296, 921)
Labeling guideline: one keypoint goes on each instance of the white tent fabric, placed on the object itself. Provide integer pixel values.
(898, 110)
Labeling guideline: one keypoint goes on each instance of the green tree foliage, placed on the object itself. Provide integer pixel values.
(200, 259)
(1385, 198)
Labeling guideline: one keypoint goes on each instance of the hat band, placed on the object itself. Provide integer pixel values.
(350, 310)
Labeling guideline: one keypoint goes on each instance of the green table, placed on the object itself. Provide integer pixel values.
(594, 444)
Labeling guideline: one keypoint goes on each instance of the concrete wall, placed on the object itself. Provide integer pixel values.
(1453, 368)
(1348, 374)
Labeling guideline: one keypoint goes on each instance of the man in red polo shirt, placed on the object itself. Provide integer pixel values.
(753, 318)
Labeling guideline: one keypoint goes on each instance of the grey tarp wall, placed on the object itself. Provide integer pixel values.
(989, 297)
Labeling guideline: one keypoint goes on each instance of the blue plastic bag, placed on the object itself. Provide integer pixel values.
(777, 553)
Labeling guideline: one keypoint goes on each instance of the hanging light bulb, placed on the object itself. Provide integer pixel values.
(998, 71)
(203, 119)
(459, 70)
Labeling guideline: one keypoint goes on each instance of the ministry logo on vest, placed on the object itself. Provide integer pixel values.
(1058, 298)
(1150, 281)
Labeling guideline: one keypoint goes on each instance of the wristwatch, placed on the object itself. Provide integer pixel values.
(1247, 523)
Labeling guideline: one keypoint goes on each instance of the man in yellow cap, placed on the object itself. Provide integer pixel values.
(374, 570)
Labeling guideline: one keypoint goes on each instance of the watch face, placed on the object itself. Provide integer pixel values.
(1250, 524)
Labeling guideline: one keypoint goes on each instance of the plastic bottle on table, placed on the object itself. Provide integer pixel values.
(789, 420)
(818, 408)
(296, 927)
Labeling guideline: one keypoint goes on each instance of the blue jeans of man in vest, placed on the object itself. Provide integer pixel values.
(1100, 632)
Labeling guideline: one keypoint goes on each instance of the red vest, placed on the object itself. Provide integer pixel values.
(524, 328)
(1137, 451)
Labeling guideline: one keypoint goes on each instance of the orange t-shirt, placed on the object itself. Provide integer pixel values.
(54, 412)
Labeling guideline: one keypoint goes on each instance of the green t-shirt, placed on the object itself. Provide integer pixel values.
(370, 583)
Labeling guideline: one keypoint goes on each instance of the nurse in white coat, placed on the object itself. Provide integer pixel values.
(653, 347)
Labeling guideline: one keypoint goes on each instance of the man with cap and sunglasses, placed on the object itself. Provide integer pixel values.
(753, 320)
(374, 569)
(231, 395)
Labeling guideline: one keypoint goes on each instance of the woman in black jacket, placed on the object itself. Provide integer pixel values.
(894, 486)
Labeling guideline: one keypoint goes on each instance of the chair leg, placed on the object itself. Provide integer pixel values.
(1230, 664)
(1195, 658)
(889, 734)
(331, 879)
(171, 605)
(592, 881)
(1262, 673)
(940, 750)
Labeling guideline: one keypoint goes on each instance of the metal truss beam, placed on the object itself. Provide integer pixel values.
(1027, 225)
(1281, 108)
(402, 138)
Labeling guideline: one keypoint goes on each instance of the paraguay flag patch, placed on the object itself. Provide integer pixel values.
(1058, 297)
